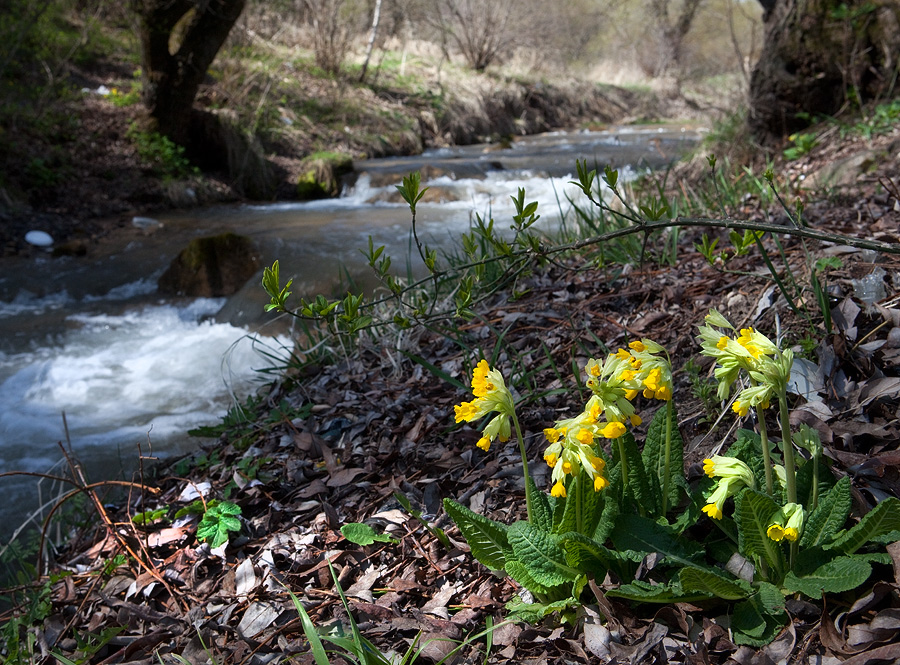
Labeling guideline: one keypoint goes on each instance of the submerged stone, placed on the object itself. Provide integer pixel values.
(211, 267)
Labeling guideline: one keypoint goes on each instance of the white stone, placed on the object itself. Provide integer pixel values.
(38, 239)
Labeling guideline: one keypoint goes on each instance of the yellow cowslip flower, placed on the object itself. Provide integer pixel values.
(740, 408)
(655, 370)
(636, 420)
(552, 434)
(585, 436)
(491, 396)
(466, 412)
(728, 467)
(787, 523)
(600, 482)
(725, 488)
(750, 351)
(613, 430)
(481, 383)
(551, 459)
(733, 476)
(559, 490)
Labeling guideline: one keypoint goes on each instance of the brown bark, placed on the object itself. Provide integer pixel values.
(820, 55)
(173, 72)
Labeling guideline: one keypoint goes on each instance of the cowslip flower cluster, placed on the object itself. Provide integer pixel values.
(750, 351)
(614, 383)
(733, 474)
(787, 523)
(491, 395)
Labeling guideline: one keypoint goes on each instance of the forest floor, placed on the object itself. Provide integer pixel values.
(336, 443)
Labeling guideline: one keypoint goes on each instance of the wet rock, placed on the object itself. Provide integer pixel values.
(211, 267)
(321, 177)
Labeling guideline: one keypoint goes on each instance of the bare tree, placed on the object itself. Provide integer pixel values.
(672, 22)
(482, 30)
(332, 29)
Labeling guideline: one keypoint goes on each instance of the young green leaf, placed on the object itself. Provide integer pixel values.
(644, 592)
(646, 493)
(757, 620)
(519, 572)
(487, 538)
(363, 534)
(218, 521)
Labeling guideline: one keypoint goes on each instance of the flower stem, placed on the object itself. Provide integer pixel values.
(623, 464)
(665, 492)
(790, 468)
(524, 464)
(764, 442)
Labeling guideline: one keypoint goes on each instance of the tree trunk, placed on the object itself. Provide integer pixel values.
(173, 72)
(818, 56)
(373, 33)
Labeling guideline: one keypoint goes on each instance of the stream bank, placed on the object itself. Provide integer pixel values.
(101, 181)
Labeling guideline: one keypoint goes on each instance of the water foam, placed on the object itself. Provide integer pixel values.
(159, 370)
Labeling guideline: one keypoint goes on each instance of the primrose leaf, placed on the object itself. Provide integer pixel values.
(540, 554)
(486, 537)
(217, 522)
(829, 515)
(645, 535)
(757, 620)
(752, 513)
(541, 514)
(586, 555)
(643, 592)
(654, 453)
(645, 493)
(519, 610)
(363, 534)
(582, 507)
(841, 574)
(708, 581)
(882, 519)
(519, 572)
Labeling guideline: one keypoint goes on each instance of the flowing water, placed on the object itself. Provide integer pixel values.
(92, 355)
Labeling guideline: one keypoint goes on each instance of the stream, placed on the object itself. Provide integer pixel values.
(92, 358)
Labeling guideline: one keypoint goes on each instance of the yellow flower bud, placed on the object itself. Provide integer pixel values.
(484, 443)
